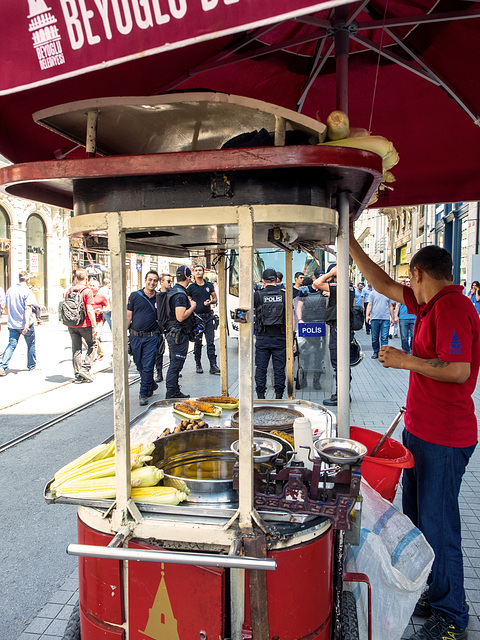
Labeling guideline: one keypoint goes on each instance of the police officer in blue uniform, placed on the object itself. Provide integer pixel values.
(144, 333)
(180, 310)
(270, 339)
(203, 293)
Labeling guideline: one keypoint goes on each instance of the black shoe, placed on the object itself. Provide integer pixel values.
(199, 368)
(423, 608)
(142, 400)
(331, 402)
(316, 383)
(175, 394)
(440, 627)
(278, 395)
(261, 396)
(159, 377)
(214, 369)
(375, 356)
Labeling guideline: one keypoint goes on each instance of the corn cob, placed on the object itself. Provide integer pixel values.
(141, 449)
(158, 495)
(338, 126)
(99, 452)
(146, 476)
(99, 469)
(186, 410)
(284, 436)
(176, 483)
(224, 402)
(205, 407)
(97, 488)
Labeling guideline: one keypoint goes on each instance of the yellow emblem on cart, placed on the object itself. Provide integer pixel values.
(161, 623)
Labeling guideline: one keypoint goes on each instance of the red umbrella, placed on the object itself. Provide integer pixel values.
(411, 71)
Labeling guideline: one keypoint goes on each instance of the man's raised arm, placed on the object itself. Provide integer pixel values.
(380, 280)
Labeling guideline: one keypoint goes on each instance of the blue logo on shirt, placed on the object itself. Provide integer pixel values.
(455, 345)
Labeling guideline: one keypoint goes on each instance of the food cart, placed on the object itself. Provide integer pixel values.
(267, 562)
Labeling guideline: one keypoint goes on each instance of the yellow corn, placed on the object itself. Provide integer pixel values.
(142, 449)
(97, 453)
(177, 483)
(146, 476)
(99, 469)
(97, 488)
(158, 495)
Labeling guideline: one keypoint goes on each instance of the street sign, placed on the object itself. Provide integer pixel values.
(311, 329)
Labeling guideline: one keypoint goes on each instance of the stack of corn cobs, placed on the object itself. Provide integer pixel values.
(92, 475)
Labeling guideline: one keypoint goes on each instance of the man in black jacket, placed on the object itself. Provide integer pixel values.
(181, 308)
(270, 340)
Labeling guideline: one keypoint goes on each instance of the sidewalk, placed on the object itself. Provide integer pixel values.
(377, 395)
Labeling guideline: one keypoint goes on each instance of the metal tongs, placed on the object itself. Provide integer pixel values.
(389, 431)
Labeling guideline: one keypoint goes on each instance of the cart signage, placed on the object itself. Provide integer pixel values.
(311, 329)
(46, 40)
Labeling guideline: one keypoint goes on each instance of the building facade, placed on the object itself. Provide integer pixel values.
(391, 236)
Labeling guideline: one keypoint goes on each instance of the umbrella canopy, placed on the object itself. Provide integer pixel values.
(411, 71)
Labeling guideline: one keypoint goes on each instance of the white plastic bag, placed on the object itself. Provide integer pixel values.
(397, 559)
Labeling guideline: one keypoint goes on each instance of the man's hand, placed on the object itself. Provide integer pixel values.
(392, 358)
(25, 330)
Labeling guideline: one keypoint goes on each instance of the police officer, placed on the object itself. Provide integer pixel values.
(203, 294)
(181, 308)
(270, 340)
(144, 333)
(165, 282)
(327, 283)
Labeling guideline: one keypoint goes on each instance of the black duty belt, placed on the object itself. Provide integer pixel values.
(205, 313)
(144, 334)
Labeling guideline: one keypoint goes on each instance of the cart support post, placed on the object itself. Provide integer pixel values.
(222, 314)
(289, 324)
(245, 365)
(121, 397)
(343, 311)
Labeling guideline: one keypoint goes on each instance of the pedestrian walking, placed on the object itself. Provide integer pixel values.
(100, 303)
(367, 290)
(203, 294)
(86, 330)
(106, 290)
(406, 323)
(21, 321)
(144, 334)
(440, 423)
(270, 341)
(181, 309)
(379, 315)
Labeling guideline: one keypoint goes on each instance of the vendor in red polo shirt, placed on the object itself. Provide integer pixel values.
(440, 424)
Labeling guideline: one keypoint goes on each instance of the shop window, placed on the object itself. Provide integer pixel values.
(4, 248)
(36, 262)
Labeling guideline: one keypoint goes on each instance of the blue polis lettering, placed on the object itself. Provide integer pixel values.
(455, 344)
(311, 329)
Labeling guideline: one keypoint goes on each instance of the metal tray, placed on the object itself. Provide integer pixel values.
(269, 418)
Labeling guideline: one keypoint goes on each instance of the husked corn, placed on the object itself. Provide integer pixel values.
(99, 452)
(147, 476)
(177, 483)
(158, 495)
(97, 488)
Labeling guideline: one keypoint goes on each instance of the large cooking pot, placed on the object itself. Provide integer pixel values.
(204, 460)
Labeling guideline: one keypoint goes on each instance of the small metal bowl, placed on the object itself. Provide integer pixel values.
(264, 449)
(341, 451)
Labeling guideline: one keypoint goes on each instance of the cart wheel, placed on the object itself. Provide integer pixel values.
(72, 630)
(349, 617)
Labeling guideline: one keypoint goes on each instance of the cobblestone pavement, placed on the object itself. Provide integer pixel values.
(377, 395)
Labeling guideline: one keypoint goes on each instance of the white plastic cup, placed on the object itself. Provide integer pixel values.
(302, 432)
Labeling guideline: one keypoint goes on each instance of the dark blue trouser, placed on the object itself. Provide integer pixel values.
(406, 333)
(209, 334)
(430, 500)
(276, 348)
(380, 329)
(144, 351)
(178, 355)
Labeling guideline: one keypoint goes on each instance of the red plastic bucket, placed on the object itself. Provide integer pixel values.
(383, 471)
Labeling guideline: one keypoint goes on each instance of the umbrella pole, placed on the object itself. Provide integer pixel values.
(343, 303)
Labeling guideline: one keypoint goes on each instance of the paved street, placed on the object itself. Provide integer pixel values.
(38, 581)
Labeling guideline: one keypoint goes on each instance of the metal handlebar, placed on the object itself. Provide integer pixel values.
(173, 557)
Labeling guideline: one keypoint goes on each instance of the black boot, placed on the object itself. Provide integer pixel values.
(159, 377)
(214, 369)
(199, 368)
(332, 401)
